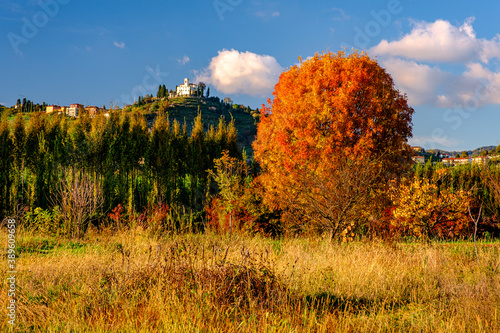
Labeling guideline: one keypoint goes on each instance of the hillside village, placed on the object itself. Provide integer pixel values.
(187, 89)
(481, 156)
(182, 104)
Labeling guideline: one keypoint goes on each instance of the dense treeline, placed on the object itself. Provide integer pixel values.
(162, 175)
(435, 201)
(480, 181)
(127, 164)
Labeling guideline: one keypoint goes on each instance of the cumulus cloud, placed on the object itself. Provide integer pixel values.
(419, 81)
(234, 72)
(415, 62)
(438, 41)
(120, 45)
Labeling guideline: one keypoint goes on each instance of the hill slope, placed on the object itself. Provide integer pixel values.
(185, 109)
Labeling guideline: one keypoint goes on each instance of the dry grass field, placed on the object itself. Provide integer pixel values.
(133, 282)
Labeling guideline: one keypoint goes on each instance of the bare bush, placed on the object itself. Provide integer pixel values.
(79, 198)
(493, 181)
(335, 201)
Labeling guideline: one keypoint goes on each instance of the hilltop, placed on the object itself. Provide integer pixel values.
(485, 150)
(474, 152)
(185, 109)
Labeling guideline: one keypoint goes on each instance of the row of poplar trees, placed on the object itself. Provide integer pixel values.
(135, 166)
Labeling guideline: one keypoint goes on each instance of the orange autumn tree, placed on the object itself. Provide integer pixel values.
(335, 131)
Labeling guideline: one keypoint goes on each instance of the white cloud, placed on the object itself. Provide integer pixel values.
(438, 41)
(475, 87)
(120, 45)
(340, 14)
(415, 62)
(234, 72)
(431, 141)
(419, 81)
(184, 60)
(267, 14)
(481, 83)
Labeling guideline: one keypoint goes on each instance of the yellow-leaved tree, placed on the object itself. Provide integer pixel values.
(424, 211)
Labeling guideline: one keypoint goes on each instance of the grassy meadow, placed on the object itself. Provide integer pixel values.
(133, 281)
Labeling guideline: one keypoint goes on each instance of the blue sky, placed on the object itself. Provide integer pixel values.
(444, 55)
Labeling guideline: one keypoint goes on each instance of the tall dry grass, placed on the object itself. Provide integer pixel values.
(130, 282)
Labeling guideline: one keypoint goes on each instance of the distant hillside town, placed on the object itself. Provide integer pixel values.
(187, 89)
(481, 156)
(74, 110)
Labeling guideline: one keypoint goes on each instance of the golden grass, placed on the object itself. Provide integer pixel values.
(130, 282)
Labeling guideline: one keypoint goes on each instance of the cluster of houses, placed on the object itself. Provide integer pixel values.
(74, 110)
(448, 160)
(187, 89)
(483, 160)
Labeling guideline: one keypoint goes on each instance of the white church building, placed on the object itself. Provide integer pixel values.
(186, 89)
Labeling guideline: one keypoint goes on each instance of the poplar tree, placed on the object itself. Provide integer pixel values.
(6, 162)
(18, 140)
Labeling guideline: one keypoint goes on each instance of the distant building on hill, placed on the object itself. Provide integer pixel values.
(56, 108)
(483, 160)
(418, 159)
(75, 109)
(456, 161)
(53, 108)
(186, 89)
(93, 110)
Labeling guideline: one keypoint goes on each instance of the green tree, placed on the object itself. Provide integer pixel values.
(158, 161)
(19, 154)
(160, 92)
(202, 87)
(6, 170)
(230, 174)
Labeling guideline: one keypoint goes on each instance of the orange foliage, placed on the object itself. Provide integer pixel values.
(330, 108)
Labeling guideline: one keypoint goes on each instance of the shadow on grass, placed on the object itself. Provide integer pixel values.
(47, 246)
(328, 302)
